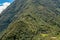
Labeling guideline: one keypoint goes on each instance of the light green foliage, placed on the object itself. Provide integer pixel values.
(34, 20)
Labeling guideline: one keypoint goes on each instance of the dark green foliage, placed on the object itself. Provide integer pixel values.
(31, 20)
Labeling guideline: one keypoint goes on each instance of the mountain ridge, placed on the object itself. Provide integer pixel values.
(31, 20)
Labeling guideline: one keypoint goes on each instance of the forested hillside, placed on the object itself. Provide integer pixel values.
(31, 20)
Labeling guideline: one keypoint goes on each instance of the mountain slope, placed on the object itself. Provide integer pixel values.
(7, 15)
(32, 20)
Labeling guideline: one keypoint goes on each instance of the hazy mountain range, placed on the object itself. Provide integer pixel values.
(31, 20)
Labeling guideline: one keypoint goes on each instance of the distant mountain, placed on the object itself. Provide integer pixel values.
(31, 20)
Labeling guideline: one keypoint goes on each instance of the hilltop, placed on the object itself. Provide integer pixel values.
(31, 20)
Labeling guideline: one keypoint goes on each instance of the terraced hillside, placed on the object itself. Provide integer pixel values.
(31, 20)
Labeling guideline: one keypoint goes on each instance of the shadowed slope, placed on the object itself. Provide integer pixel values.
(34, 20)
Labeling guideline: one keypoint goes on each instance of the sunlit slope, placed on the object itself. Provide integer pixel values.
(35, 20)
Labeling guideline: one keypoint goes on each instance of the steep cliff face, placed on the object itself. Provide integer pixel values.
(31, 20)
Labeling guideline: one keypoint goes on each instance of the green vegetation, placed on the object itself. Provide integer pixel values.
(31, 20)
